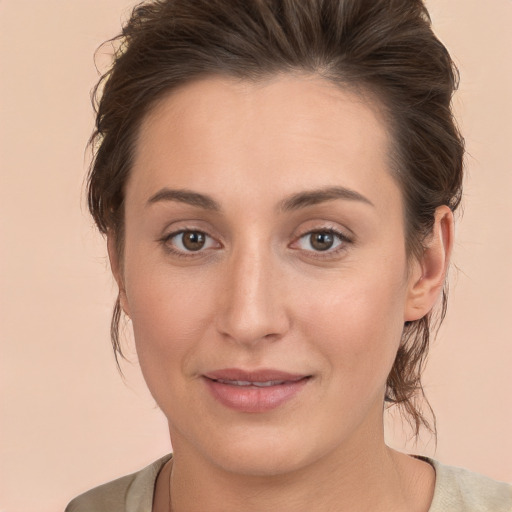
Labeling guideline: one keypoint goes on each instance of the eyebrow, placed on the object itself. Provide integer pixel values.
(312, 197)
(185, 196)
(294, 202)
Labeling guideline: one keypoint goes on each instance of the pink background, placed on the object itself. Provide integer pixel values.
(67, 420)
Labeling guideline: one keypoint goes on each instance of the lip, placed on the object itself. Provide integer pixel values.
(256, 390)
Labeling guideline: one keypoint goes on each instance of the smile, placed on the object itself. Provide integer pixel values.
(254, 392)
(248, 383)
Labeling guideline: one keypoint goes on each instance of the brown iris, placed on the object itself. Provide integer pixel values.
(193, 240)
(322, 240)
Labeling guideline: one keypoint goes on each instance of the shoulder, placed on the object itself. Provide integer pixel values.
(458, 489)
(135, 490)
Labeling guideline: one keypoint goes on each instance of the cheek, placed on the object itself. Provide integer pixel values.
(169, 317)
(357, 323)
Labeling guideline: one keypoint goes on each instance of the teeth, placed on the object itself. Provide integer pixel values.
(247, 383)
(268, 383)
(235, 382)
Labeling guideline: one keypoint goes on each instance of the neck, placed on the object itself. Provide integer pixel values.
(376, 478)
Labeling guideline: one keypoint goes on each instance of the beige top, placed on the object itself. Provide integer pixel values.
(456, 490)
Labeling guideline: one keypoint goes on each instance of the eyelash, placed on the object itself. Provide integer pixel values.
(343, 239)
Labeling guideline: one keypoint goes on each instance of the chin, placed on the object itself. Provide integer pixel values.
(260, 461)
(260, 452)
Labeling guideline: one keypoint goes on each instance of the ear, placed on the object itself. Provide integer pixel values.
(428, 273)
(117, 270)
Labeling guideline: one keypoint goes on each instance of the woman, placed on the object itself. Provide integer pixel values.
(277, 182)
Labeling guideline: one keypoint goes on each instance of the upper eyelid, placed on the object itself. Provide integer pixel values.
(172, 234)
(169, 232)
(328, 223)
(342, 233)
(319, 229)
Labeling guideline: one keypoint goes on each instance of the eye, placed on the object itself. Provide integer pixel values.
(188, 241)
(321, 241)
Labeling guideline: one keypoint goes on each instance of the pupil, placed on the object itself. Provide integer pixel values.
(322, 241)
(193, 240)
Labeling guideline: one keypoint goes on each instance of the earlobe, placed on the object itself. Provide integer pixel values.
(428, 275)
(116, 267)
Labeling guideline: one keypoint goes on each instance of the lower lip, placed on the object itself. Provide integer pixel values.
(252, 398)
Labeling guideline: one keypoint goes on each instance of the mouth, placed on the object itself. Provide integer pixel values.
(254, 391)
(245, 383)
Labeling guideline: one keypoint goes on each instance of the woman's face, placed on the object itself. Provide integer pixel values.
(265, 270)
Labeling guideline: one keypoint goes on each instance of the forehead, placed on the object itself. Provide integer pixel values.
(286, 133)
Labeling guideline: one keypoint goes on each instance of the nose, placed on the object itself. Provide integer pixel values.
(252, 307)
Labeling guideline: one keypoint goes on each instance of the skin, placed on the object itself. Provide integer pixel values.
(258, 295)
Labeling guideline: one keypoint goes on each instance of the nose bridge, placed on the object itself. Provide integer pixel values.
(253, 308)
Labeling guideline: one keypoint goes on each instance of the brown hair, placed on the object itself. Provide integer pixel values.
(386, 47)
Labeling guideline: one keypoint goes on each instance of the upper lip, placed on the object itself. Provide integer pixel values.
(262, 375)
